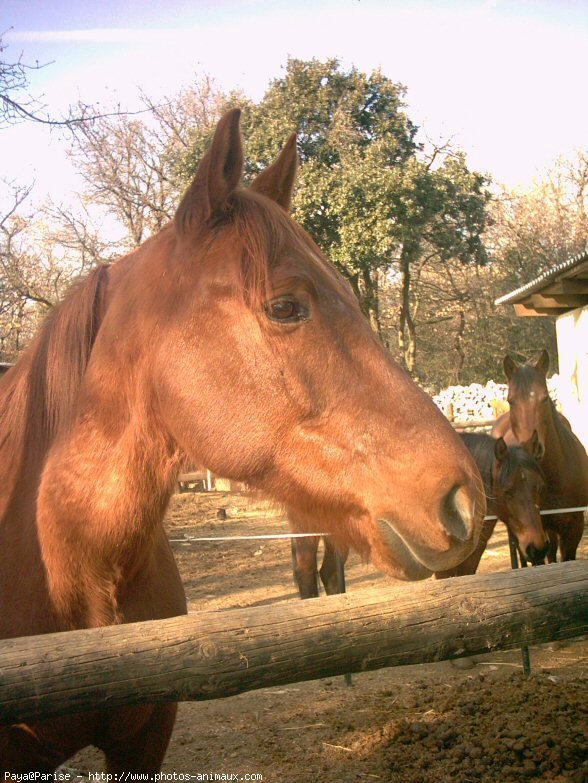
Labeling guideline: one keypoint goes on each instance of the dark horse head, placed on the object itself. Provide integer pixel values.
(529, 401)
(513, 482)
(518, 482)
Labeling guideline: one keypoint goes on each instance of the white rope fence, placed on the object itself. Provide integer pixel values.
(549, 511)
(277, 536)
(247, 538)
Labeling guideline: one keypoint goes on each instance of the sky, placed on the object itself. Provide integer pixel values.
(504, 79)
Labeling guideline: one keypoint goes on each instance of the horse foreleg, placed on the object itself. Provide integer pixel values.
(570, 531)
(328, 569)
(138, 738)
(21, 751)
(553, 543)
(304, 552)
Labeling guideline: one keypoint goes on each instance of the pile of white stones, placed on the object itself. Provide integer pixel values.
(477, 402)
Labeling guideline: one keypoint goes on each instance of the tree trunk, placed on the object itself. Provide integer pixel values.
(371, 300)
(406, 328)
(459, 346)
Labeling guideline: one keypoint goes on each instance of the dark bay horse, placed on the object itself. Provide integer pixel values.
(227, 340)
(513, 482)
(534, 422)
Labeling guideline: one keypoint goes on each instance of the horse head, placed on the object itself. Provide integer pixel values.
(529, 402)
(230, 340)
(517, 483)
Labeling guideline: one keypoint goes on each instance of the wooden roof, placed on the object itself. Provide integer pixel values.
(560, 289)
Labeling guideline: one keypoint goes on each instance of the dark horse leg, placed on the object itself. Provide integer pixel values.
(333, 577)
(133, 739)
(304, 565)
(568, 530)
(328, 570)
(553, 543)
(21, 752)
(140, 737)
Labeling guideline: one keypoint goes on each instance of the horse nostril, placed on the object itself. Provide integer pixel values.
(457, 514)
(536, 555)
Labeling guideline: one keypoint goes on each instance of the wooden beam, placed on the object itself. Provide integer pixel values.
(525, 310)
(215, 654)
(567, 286)
(555, 301)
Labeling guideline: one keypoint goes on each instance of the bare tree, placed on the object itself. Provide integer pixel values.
(40, 256)
(132, 167)
(18, 105)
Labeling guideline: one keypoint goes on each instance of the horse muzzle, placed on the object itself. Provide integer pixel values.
(454, 533)
(536, 556)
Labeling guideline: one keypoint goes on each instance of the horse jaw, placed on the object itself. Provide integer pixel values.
(402, 562)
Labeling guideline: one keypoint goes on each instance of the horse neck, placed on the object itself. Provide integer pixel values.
(481, 447)
(37, 397)
(101, 503)
(555, 436)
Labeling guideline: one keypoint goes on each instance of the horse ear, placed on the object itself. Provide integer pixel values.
(500, 449)
(217, 177)
(509, 367)
(277, 181)
(542, 363)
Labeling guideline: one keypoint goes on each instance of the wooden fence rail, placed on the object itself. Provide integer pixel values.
(214, 654)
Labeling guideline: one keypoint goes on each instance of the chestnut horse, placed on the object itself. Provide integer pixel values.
(513, 482)
(226, 339)
(534, 422)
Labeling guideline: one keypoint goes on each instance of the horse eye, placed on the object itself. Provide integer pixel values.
(286, 310)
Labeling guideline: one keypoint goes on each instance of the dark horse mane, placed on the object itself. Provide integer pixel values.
(481, 447)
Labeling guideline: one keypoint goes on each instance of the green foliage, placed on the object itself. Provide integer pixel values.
(352, 134)
(332, 111)
(367, 193)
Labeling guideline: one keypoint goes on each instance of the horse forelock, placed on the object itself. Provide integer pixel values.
(518, 457)
(265, 231)
(525, 378)
(37, 398)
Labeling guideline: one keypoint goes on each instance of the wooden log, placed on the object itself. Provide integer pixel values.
(215, 654)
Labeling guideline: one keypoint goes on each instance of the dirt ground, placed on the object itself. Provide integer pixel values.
(436, 723)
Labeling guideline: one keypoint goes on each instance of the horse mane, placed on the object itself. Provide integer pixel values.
(558, 422)
(38, 395)
(481, 447)
(518, 457)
